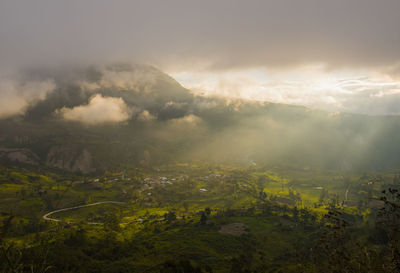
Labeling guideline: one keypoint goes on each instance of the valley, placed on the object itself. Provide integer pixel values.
(209, 217)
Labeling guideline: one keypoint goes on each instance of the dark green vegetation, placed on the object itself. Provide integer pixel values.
(200, 218)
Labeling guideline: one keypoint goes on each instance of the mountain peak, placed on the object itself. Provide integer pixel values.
(139, 86)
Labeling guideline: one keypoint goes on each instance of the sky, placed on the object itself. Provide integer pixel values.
(341, 55)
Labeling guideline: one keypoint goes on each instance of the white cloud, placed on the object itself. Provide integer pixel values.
(312, 86)
(16, 96)
(188, 120)
(145, 116)
(99, 110)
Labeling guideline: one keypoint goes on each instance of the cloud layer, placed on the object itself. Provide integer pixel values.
(99, 110)
(353, 91)
(179, 34)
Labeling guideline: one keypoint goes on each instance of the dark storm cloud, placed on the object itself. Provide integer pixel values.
(219, 34)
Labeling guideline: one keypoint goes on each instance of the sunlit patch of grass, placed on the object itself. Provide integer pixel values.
(319, 210)
(10, 188)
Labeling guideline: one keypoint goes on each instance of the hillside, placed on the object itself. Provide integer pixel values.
(155, 120)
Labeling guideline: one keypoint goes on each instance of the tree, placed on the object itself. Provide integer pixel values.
(203, 218)
(295, 213)
(389, 220)
(170, 217)
(324, 194)
(111, 221)
(332, 242)
(262, 195)
(186, 206)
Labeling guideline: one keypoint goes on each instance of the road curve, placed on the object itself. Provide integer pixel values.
(47, 218)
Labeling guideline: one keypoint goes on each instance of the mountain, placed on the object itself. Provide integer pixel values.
(102, 118)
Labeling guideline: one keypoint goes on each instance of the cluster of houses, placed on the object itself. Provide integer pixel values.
(157, 181)
(150, 182)
(212, 176)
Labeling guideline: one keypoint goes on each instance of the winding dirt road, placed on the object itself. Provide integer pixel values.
(47, 218)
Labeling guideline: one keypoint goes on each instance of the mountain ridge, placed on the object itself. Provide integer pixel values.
(169, 123)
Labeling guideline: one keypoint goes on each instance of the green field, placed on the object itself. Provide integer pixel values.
(208, 218)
